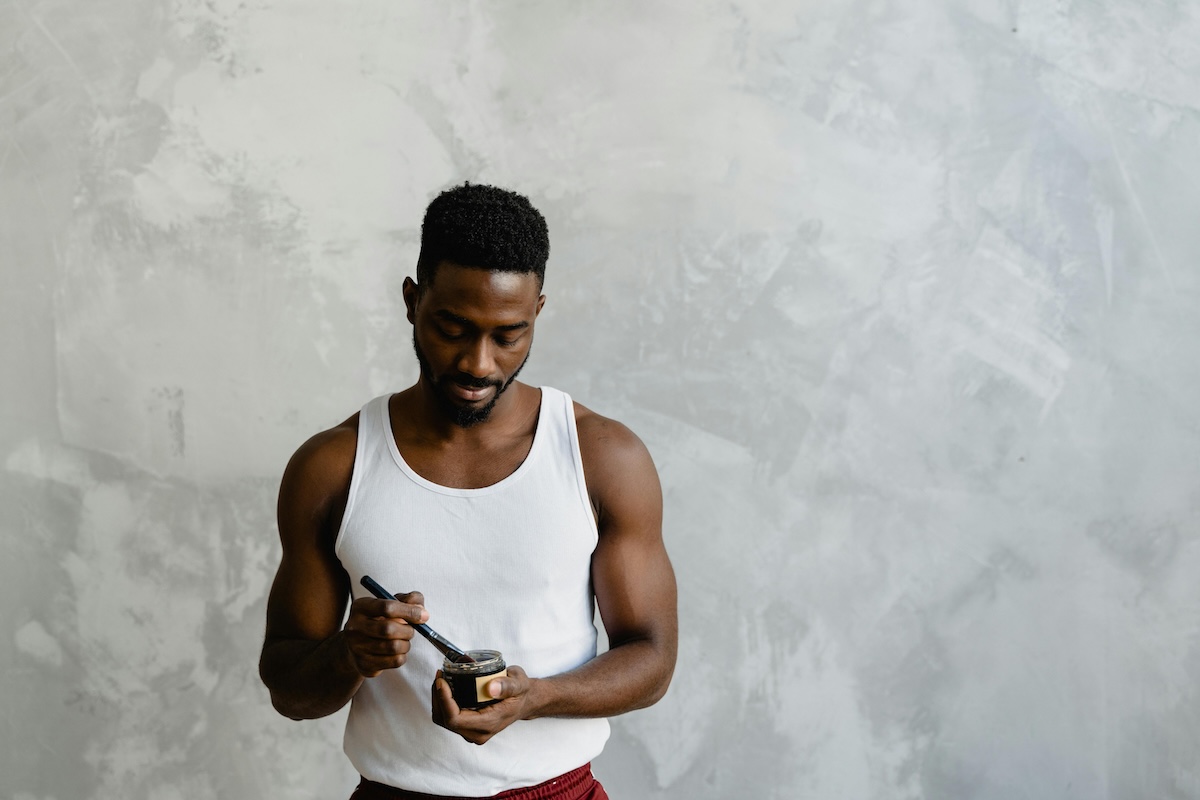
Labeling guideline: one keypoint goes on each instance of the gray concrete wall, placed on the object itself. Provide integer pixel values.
(901, 295)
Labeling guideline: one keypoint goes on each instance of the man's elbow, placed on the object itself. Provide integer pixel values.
(661, 682)
(298, 712)
(285, 703)
(665, 682)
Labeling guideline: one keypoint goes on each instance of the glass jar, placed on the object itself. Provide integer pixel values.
(468, 682)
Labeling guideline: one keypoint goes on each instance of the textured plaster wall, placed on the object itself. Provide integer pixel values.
(901, 295)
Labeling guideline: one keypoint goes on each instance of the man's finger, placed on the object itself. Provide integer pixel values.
(444, 707)
(513, 684)
(386, 648)
(410, 612)
(390, 609)
(502, 688)
(385, 628)
(412, 598)
(442, 689)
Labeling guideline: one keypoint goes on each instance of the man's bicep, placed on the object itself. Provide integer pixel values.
(631, 571)
(635, 592)
(308, 597)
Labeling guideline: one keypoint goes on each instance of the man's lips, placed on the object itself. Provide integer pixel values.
(470, 394)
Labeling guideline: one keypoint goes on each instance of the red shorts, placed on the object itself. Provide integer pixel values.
(578, 784)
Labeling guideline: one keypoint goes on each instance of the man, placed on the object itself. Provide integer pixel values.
(510, 507)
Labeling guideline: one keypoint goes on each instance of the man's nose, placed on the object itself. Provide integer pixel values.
(477, 359)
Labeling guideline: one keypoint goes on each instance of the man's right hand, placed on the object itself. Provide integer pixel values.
(378, 634)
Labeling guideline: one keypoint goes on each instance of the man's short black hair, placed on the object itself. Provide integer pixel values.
(485, 227)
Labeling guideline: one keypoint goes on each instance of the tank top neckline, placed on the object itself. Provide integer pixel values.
(539, 435)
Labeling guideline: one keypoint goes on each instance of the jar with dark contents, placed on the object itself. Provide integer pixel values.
(468, 681)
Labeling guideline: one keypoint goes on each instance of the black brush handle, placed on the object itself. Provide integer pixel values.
(436, 639)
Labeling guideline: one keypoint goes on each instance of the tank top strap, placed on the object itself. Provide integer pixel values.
(371, 445)
(564, 442)
(373, 421)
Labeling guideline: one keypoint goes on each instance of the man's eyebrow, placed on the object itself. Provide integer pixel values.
(450, 316)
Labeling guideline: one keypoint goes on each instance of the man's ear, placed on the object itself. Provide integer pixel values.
(541, 302)
(412, 294)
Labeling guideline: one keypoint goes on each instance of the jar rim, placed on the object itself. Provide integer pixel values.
(485, 661)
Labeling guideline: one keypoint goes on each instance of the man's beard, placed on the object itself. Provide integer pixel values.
(461, 416)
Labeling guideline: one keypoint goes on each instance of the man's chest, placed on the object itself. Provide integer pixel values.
(460, 467)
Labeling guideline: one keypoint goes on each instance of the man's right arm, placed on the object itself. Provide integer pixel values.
(310, 662)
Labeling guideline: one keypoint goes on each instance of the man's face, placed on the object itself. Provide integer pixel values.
(472, 330)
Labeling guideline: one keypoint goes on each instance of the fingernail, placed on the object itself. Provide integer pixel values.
(495, 688)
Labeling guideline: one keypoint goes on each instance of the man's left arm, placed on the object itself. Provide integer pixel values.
(635, 591)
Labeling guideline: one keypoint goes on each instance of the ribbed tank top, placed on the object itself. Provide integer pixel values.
(505, 567)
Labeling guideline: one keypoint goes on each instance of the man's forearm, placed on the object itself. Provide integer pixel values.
(629, 676)
(309, 679)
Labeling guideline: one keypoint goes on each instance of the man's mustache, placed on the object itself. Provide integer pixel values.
(474, 383)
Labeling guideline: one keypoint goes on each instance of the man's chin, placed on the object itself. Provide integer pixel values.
(467, 414)
(468, 417)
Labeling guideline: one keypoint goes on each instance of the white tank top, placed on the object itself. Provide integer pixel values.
(506, 567)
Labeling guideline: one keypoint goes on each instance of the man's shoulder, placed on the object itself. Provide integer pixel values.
(608, 444)
(600, 428)
(316, 482)
(326, 457)
(332, 441)
(621, 477)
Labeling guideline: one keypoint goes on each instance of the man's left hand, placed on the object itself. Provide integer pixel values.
(479, 725)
